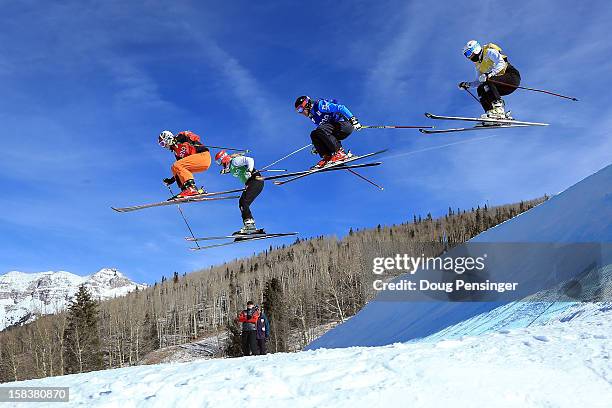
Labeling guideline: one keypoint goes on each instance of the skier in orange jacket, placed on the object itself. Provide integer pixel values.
(191, 157)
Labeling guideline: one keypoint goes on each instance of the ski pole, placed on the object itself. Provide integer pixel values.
(366, 179)
(533, 89)
(229, 148)
(473, 96)
(274, 170)
(290, 154)
(184, 218)
(394, 127)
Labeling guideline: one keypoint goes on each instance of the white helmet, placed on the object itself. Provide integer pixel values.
(166, 139)
(472, 47)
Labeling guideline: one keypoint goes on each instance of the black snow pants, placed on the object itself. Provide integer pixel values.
(253, 188)
(327, 137)
(489, 92)
(249, 343)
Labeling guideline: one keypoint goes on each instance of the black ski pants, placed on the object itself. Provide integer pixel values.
(327, 137)
(253, 188)
(249, 343)
(489, 92)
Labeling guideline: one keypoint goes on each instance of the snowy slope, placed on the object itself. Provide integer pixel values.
(582, 213)
(565, 363)
(25, 295)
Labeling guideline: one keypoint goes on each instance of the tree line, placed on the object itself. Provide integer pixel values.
(302, 287)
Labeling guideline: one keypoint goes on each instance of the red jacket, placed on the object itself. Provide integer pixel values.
(248, 324)
(187, 143)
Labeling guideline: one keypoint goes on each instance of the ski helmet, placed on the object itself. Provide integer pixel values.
(471, 48)
(222, 158)
(166, 139)
(302, 103)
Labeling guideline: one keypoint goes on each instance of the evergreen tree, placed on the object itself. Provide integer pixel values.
(82, 350)
(276, 311)
(233, 346)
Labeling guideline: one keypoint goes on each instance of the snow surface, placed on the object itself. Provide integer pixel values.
(582, 213)
(563, 363)
(23, 296)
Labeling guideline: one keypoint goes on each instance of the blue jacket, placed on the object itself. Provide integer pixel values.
(263, 326)
(328, 111)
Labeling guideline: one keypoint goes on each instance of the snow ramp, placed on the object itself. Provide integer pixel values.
(580, 214)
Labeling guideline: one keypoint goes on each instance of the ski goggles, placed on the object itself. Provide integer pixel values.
(163, 143)
(300, 108)
(468, 53)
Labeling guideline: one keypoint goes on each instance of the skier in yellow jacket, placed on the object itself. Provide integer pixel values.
(491, 64)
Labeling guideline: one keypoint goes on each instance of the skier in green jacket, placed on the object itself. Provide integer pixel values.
(243, 168)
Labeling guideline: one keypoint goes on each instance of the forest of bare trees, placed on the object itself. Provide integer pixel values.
(306, 284)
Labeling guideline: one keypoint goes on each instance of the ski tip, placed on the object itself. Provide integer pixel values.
(278, 183)
(429, 115)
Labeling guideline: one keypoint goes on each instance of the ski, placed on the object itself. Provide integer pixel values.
(330, 167)
(238, 239)
(500, 121)
(467, 129)
(297, 173)
(192, 199)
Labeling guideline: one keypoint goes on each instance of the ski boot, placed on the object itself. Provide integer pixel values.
(498, 112)
(339, 156)
(322, 163)
(249, 228)
(189, 190)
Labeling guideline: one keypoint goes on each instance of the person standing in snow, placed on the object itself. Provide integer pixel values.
(243, 168)
(491, 64)
(248, 317)
(334, 121)
(191, 157)
(263, 332)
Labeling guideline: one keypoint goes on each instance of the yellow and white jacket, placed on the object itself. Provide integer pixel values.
(493, 62)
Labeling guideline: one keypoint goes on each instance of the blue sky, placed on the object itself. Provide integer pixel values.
(88, 86)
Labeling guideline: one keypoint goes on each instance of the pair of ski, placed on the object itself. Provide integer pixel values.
(485, 124)
(343, 165)
(237, 238)
(220, 195)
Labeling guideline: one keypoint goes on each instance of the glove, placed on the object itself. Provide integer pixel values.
(169, 181)
(224, 170)
(355, 122)
(464, 85)
(483, 77)
(314, 151)
(248, 175)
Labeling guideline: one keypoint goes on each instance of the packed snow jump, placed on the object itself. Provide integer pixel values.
(334, 123)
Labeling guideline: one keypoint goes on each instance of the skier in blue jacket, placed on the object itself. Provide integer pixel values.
(334, 121)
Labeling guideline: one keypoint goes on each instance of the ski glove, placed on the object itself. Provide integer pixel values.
(355, 122)
(169, 181)
(483, 77)
(464, 85)
(247, 174)
(314, 151)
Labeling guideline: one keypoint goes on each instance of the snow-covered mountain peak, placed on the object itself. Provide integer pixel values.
(23, 295)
